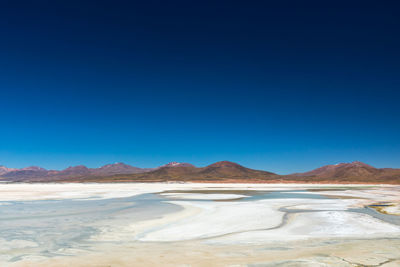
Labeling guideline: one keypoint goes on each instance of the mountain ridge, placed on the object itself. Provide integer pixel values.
(222, 171)
(355, 171)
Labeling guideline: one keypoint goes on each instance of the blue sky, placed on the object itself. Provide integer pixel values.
(280, 87)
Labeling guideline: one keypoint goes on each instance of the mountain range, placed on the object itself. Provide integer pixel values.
(223, 171)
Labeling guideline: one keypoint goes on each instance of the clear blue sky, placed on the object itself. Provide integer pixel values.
(282, 87)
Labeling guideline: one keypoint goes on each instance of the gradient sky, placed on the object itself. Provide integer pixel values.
(284, 86)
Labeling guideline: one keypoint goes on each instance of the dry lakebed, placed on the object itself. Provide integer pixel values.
(188, 224)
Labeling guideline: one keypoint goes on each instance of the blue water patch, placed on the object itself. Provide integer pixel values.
(301, 194)
(251, 195)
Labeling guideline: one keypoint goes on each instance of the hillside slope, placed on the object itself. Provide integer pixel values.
(223, 171)
(356, 172)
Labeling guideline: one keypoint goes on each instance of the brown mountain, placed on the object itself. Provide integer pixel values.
(4, 170)
(230, 170)
(25, 174)
(74, 171)
(177, 164)
(34, 174)
(348, 172)
(223, 171)
(118, 168)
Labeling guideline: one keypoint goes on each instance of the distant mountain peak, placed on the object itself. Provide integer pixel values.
(225, 164)
(33, 168)
(118, 168)
(75, 170)
(173, 164)
(177, 164)
(360, 164)
(121, 164)
(349, 164)
(78, 167)
(342, 170)
(4, 170)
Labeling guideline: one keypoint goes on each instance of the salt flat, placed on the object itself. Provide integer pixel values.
(171, 224)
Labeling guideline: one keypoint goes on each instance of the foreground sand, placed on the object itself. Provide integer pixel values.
(221, 225)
